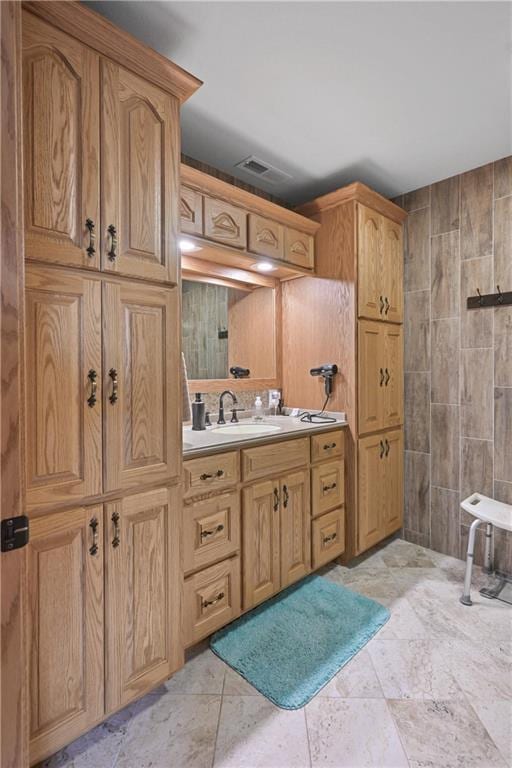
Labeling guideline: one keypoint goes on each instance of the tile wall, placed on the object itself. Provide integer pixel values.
(458, 362)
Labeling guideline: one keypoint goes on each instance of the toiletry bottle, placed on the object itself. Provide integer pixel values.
(198, 413)
(257, 411)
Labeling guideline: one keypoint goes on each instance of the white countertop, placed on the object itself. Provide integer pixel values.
(196, 443)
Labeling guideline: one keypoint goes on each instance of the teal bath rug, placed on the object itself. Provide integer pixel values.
(291, 646)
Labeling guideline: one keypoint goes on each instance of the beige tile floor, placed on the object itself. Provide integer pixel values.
(433, 689)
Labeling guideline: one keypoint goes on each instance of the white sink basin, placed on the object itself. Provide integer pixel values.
(246, 429)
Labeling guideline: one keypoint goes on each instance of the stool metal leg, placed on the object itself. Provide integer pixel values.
(466, 595)
(489, 549)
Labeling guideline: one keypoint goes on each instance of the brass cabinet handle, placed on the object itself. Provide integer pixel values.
(328, 446)
(217, 529)
(113, 242)
(381, 304)
(387, 305)
(115, 385)
(388, 376)
(387, 446)
(93, 378)
(91, 248)
(207, 603)
(209, 476)
(381, 370)
(286, 495)
(117, 530)
(276, 499)
(327, 539)
(330, 487)
(93, 525)
(382, 449)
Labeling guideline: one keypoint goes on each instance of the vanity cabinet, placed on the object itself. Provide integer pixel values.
(380, 486)
(380, 366)
(248, 527)
(380, 267)
(65, 570)
(101, 151)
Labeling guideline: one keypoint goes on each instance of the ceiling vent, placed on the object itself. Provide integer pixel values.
(263, 170)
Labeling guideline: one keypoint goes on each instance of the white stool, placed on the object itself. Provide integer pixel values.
(493, 513)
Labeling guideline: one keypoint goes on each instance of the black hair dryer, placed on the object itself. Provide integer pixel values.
(328, 372)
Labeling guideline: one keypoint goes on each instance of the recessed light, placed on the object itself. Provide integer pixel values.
(264, 266)
(187, 246)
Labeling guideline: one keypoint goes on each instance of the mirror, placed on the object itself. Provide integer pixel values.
(225, 326)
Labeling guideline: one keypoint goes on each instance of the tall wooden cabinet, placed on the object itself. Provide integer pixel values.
(359, 266)
(102, 422)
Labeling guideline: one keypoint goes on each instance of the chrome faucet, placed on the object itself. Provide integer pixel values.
(221, 419)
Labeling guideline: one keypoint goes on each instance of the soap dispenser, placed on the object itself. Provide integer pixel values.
(198, 413)
(257, 411)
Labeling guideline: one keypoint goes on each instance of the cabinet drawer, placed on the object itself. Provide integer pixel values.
(298, 248)
(328, 537)
(210, 473)
(328, 445)
(328, 486)
(275, 458)
(211, 599)
(266, 237)
(211, 530)
(191, 211)
(225, 223)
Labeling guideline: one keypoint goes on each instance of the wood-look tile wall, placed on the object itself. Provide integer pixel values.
(458, 362)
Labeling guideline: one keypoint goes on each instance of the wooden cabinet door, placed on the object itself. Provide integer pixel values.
(141, 389)
(260, 542)
(266, 237)
(63, 370)
(65, 627)
(392, 364)
(225, 223)
(299, 248)
(392, 269)
(371, 376)
(393, 468)
(142, 593)
(61, 146)
(372, 491)
(139, 176)
(370, 278)
(191, 211)
(295, 527)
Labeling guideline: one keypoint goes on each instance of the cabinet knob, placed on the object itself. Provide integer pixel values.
(328, 446)
(276, 499)
(115, 385)
(327, 488)
(388, 376)
(117, 531)
(211, 475)
(327, 539)
(381, 300)
(387, 305)
(381, 371)
(382, 449)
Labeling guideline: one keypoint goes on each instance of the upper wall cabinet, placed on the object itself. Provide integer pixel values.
(61, 146)
(120, 214)
(219, 213)
(380, 267)
(139, 176)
